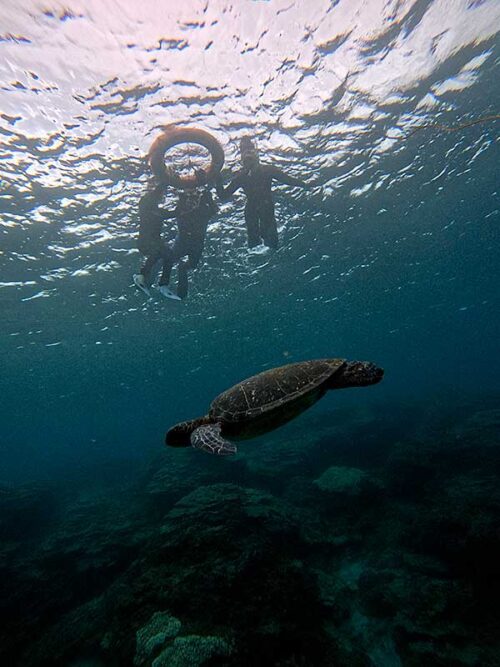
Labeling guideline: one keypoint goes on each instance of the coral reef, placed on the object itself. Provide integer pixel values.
(192, 650)
(151, 639)
(342, 553)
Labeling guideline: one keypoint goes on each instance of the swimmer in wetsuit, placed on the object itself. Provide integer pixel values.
(256, 180)
(150, 242)
(193, 213)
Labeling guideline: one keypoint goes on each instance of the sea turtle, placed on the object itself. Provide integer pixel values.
(265, 401)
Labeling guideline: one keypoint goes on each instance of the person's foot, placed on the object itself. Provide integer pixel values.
(167, 293)
(140, 282)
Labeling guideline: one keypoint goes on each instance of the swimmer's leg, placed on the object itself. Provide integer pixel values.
(170, 255)
(268, 227)
(252, 223)
(182, 280)
(149, 265)
(168, 263)
(194, 257)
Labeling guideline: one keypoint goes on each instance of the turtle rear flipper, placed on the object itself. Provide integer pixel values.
(209, 439)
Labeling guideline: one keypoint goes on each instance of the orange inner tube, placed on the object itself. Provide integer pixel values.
(173, 135)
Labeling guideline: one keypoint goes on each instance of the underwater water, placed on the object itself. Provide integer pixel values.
(366, 532)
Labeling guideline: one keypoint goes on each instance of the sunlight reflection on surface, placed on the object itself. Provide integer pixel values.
(327, 88)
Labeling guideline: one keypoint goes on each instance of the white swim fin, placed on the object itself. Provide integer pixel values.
(140, 282)
(168, 294)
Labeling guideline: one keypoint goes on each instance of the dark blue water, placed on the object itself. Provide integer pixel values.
(391, 255)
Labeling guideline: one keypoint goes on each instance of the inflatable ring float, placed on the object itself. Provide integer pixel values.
(173, 135)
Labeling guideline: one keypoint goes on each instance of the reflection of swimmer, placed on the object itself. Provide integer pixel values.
(256, 181)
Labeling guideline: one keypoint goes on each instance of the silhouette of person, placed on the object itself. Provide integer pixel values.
(256, 181)
(150, 241)
(192, 213)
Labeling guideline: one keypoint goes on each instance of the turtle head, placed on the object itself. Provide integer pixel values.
(180, 434)
(358, 374)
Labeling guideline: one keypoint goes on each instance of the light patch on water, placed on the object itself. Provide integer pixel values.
(331, 93)
(18, 283)
(39, 295)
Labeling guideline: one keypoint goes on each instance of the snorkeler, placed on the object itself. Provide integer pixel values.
(193, 212)
(256, 181)
(150, 242)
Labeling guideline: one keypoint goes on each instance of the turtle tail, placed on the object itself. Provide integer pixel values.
(180, 434)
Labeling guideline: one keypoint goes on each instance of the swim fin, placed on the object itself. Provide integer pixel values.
(167, 293)
(140, 282)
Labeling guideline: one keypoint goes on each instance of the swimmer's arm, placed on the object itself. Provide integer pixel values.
(208, 201)
(149, 211)
(148, 202)
(284, 178)
(225, 193)
(148, 206)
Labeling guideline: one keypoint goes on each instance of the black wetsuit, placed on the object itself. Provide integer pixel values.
(150, 242)
(192, 215)
(259, 209)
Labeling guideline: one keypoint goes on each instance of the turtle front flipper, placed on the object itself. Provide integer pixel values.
(209, 439)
